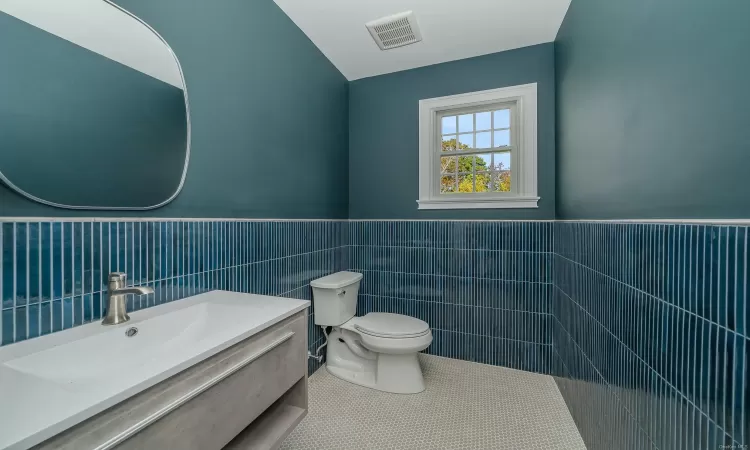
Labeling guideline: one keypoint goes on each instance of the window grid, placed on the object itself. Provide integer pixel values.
(475, 153)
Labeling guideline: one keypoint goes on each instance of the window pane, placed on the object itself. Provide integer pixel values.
(502, 118)
(483, 140)
(483, 182)
(449, 143)
(484, 121)
(482, 163)
(465, 164)
(448, 164)
(501, 172)
(502, 161)
(466, 183)
(466, 123)
(447, 184)
(465, 141)
(501, 181)
(502, 138)
(449, 125)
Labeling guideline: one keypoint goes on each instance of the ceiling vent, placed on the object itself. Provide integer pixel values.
(395, 31)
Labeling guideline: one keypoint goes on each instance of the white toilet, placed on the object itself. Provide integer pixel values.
(377, 350)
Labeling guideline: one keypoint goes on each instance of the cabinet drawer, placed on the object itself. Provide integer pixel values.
(248, 384)
(205, 406)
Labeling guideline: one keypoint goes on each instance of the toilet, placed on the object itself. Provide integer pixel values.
(377, 350)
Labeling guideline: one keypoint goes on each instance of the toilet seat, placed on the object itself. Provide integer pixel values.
(391, 326)
(394, 334)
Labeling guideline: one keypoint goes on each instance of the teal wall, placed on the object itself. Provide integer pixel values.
(653, 107)
(384, 136)
(646, 101)
(269, 115)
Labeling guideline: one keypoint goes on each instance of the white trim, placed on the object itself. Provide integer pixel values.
(718, 222)
(454, 220)
(740, 222)
(479, 203)
(155, 219)
(525, 159)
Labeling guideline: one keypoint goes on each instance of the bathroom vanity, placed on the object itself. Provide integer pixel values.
(217, 370)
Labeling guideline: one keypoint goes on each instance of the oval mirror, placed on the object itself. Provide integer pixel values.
(94, 111)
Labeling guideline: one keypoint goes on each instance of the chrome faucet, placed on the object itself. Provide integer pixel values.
(116, 295)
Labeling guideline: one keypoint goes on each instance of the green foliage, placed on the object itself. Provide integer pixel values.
(474, 173)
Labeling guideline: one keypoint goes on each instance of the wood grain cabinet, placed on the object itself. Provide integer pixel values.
(249, 396)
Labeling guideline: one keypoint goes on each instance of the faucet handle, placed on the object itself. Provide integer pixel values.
(118, 277)
(117, 280)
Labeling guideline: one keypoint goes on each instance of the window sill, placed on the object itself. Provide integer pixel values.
(495, 203)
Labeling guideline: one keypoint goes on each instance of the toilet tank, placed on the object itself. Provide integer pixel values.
(335, 298)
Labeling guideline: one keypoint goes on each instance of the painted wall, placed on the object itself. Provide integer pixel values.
(384, 141)
(652, 109)
(269, 115)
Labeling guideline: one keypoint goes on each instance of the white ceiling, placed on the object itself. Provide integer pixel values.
(451, 29)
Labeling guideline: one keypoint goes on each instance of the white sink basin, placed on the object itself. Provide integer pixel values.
(56, 381)
(156, 347)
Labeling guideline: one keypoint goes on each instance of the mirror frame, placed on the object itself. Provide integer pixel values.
(34, 198)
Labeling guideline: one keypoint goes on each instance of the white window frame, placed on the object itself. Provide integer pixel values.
(523, 161)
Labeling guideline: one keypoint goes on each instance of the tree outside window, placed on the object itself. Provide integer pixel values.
(474, 174)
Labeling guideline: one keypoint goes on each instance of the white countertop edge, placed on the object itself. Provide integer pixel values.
(71, 421)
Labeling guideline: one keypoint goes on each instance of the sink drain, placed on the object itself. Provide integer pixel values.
(132, 331)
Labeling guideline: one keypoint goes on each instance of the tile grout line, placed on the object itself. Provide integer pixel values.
(28, 276)
(15, 282)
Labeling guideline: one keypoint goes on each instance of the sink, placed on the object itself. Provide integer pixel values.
(59, 380)
(155, 344)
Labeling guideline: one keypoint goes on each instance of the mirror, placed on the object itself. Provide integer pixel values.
(93, 107)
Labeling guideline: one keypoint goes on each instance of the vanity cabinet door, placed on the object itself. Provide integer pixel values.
(205, 406)
(214, 417)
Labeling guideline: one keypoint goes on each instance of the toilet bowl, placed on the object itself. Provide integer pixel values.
(375, 356)
(377, 350)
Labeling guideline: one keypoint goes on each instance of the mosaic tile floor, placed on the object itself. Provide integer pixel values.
(465, 406)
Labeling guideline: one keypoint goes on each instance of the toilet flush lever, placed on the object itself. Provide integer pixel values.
(342, 293)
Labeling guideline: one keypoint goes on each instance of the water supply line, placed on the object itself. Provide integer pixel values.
(317, 356)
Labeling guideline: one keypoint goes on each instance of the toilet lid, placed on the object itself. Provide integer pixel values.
(391, 325)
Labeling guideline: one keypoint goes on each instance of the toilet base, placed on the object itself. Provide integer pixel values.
(398, 374)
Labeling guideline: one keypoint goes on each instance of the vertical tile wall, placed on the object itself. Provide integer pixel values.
(646, 326)
(651, 334)
(482, 286)
(54, 273)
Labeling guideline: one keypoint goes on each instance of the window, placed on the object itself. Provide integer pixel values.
(478, 150)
